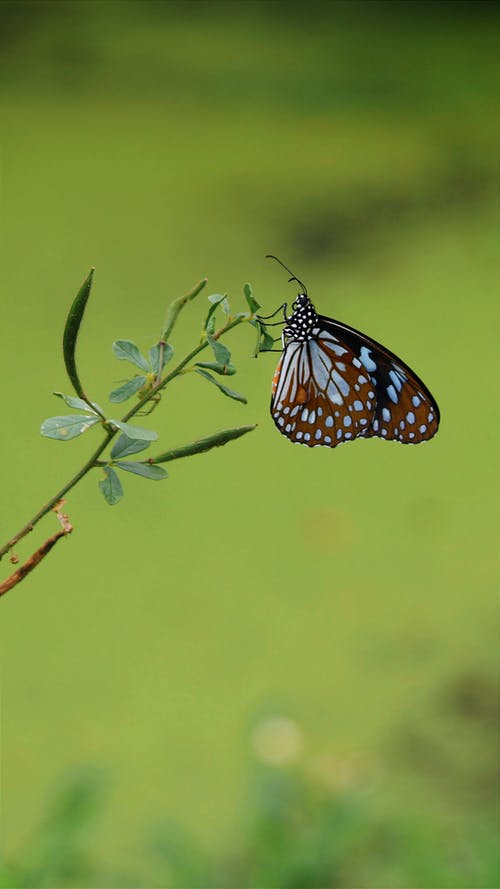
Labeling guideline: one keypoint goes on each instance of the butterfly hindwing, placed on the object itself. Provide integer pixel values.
(405, 409)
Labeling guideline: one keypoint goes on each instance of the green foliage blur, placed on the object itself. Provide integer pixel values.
(279, 661)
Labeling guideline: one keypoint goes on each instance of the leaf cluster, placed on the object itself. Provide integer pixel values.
(147, 383)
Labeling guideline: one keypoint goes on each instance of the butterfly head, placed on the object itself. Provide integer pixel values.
(301, 323)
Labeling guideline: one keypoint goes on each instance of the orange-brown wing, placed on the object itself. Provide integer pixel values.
(322, 394)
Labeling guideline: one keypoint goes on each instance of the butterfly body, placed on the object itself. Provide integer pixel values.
(334, 384)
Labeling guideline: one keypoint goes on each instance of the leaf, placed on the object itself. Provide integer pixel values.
(267, 341)
(221, 352)
(154, 356)
(126, 390)
(124, 446)
(145, 469)
(224, 389)
(203, 444)
(78, 403)
(264, 339)
(111, 486)
(137, 433)
(126, 350)
(66, 428)
(71, 329)
(226, 370)
(217, 299)
(253, 305)
(220, 299)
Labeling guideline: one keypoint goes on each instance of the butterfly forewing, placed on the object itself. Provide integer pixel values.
(334, 384)
(321, 393)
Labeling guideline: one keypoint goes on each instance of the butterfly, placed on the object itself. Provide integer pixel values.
(334, 384)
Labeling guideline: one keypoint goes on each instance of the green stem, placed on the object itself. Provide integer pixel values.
(177, 305)
(110, 434)
(60, 494)
(180, 367)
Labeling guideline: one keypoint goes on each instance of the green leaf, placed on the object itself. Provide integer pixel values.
(229, 392)
(203, 444)
(217, 299)
(66, 428)
(264, 339)
(71, 329)
(137, 433)
(78, 403)
(124, 446)
(224, 370)
(126, 390)
(145, 469)
(220, 299)
(267, 341)
(126, 350)
(154, 356)
(253, 305)
(111, 486)
(221, 352)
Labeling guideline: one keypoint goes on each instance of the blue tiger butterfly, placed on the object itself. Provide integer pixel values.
(334, 384)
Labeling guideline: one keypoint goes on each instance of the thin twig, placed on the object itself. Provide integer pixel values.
(40, 553)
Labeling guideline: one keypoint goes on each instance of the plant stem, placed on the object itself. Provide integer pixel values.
(110, 434)
(177, 305)
(177, 370)
(60, 494)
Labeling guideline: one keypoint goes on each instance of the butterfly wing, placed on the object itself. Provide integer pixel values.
(405, 409)
(322, 395)
(341, 384)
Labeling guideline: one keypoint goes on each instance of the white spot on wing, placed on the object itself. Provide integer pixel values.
(366, 360)
(395, 379)
(393, 395)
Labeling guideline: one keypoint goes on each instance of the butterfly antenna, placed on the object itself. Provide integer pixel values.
(294, 277)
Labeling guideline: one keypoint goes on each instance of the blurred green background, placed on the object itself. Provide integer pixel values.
(276, 667)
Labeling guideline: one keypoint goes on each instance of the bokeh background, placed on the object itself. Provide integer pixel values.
(276, 667)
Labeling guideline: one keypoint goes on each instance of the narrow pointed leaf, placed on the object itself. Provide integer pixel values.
(253, 305)
(71, 329)
(154, 356)
(224, 370)
(224, 389)
(124, 446)
(135, 432)
(221, 352)
(126, 350)
(111, 486)
(203, 444)
(126, 390)
(66, 428)
(78, 403)
(145, 469)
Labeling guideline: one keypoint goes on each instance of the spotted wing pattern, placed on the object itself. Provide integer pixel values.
(405, 409)
(335, 384)
(322, 395)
